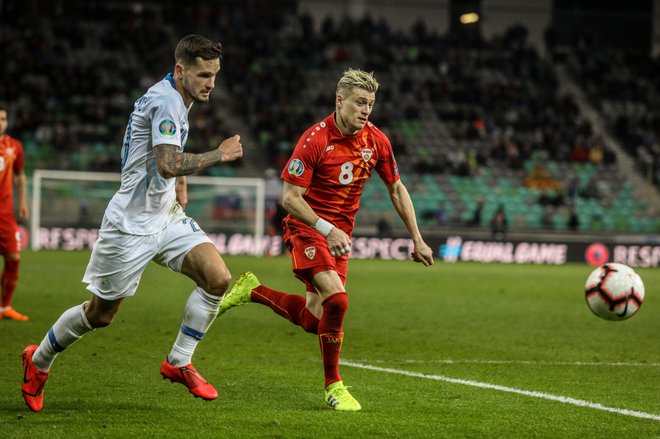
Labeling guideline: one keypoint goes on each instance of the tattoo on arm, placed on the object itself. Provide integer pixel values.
(172, 163)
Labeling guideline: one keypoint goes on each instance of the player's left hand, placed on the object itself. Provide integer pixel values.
(422, 253)
(23, 213)
(339, 242)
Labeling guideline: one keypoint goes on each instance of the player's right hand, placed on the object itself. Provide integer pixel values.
(231, 148)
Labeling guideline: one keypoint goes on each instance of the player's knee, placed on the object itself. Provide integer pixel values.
(311, 326)
(337, 304)
(100, 320)
(99, 317)
(219, 284)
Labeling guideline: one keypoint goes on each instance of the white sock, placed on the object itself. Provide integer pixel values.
(200, 311)
(68, 329)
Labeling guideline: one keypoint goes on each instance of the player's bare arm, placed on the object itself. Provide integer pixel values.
(173, 163)
(181, 188)
(294, 203)
(21, 187)
(404, 207)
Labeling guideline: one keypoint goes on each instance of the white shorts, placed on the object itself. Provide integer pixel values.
(119, 259)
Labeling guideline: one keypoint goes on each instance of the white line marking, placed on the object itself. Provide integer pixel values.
(558, 398)
(523, 362)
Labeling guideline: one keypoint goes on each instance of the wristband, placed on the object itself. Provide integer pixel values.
(323, 227)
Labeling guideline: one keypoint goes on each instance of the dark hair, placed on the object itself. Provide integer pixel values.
(3, 108)
(193, 46)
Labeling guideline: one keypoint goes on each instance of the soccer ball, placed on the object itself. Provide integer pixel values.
(614, 291)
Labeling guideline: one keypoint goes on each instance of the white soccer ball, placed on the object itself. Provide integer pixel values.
(614, 291)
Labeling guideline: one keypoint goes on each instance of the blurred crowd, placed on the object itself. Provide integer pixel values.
(452, 105)
(624, 85)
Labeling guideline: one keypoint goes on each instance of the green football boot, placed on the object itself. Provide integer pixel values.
(241, 293)
(338, 398)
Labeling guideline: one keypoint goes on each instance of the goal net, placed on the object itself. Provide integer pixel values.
(68, 206)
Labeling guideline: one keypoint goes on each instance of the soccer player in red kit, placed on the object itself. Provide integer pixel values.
(11, 172)
(323, 182)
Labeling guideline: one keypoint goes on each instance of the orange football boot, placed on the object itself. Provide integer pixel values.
(33, 381)
(189, 377)
(12, 314)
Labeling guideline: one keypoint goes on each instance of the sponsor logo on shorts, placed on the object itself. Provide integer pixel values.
(296, 167)
(310, 252)
(167, 127)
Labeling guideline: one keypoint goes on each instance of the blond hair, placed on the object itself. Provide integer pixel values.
(354, 78)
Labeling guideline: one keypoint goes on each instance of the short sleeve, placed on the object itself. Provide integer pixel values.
(19, 162)
(166, 122)
(386, 165)
(299, 170)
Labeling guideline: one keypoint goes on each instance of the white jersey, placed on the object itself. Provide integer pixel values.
(143, 203)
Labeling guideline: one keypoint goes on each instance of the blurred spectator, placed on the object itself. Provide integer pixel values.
(384, 226)
(278, 214)
(573, 219)
(475, 221)
(273, 188)
(440, 215)
(499, 224)
(546, 220)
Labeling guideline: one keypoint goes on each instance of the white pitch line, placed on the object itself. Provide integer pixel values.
(558, 398)
(524, 362)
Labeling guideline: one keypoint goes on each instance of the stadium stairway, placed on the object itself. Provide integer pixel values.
(645, 191)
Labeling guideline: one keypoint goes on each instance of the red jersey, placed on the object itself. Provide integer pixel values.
(11, 161)
(334, 168)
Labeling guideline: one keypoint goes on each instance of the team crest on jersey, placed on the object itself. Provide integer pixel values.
(310, 252)
(366, 154)
(296, 167)
(167, 127)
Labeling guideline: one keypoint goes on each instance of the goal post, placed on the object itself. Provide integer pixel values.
(72, 200)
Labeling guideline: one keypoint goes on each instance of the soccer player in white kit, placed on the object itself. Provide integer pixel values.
(145, 221)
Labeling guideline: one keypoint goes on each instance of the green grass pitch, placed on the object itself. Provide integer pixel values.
(520, 327)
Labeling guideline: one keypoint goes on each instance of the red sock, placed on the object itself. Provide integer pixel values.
(289, 306)
(9, 280)
(331, 334)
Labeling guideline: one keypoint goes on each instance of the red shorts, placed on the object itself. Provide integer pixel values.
(310, 255)
(10, 237)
